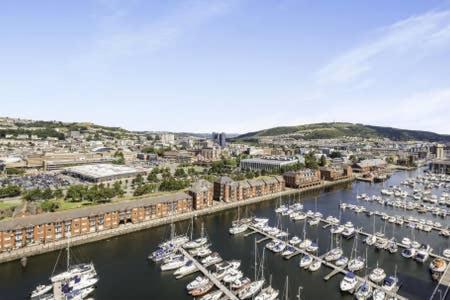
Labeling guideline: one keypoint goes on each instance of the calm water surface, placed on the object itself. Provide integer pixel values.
(125, 272)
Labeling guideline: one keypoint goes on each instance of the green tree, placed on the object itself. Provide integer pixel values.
(311, 161)
(152, 177)
(323, 161)
(10, 191)
(49, 206)
(179, 172)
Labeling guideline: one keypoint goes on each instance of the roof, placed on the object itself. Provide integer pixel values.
(96, 171)
(201, 186)
(224, 179)
(371, 163)
(44, 218)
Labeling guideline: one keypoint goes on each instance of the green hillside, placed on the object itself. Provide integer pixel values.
(337, 130)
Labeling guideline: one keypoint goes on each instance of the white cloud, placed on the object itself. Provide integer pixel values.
(420, 35)
(117, 42)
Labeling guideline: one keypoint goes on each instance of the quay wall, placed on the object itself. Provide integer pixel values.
(37, 249)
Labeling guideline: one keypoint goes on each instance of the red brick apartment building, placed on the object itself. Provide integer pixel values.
(228, 190)
(48, 227)
(302, 179)
(336, 172)
(202, 194)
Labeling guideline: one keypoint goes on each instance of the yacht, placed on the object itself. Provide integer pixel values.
(237, 229)
(174, 264)
(240, 283)
(315, 265)
(392, 246)
(306, 261)
(446, 253)
(342, 261)
(295, 240)
(364, 291)
(438, 265)
(251, 289)
(195, 243)
(288, 251)
(40, 290)
(202, 290)
(211, 259)
(227, 264)
(381, 243)
(305, 244)
(377, 275)
(349, 282)
(337, 229)
(409, 252)
(348, 232)
(232, 276)
(199, 281)
(313, 247)
(379, 294)
(371, 240)
(268, 293)
(423, 253)
(216, 295)
(390, 283)
(188, 267)
(356, 264)
(334, 254)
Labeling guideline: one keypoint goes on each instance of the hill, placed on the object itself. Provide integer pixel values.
(338, 130)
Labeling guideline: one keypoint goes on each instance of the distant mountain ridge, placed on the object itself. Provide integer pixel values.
(341, 129)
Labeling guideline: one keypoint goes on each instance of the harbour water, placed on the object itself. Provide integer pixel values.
(126, 273)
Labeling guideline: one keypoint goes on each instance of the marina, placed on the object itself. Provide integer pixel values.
(129, 267)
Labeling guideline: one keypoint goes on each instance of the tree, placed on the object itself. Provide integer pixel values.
(172, 184)
(119, 158)
(152, 177)
(179, 172)
(138, 180)
(323, 161)
(49, 206)
(335, 154)
(32, 195)
(10, 191)
(311, 161)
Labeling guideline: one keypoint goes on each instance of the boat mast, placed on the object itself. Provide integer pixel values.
(256, 265)
(68, 253)
(299, 292)
(287, 288)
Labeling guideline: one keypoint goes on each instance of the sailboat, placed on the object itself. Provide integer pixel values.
(268, 293)
(202, 240)
(254, 287)
(357, 262)
(238, 226)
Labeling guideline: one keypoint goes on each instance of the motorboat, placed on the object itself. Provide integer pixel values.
(174, 264)
(295, 240)
(288, 251)
(202, 290)
(334, 254)
(313, 247)
(211, 259)
(390, 283)
(315, 265)
(377, 275)
(216, 295)
(195, 243)
(342, 261)
(381, 243)
(337, 229)
(409, 252)
(227, 264)
(305, 244)
(199, 281)
(233, 275)
(314, 221)
(188, 267)
(240, 283)
(268, 293)
(422, 256)
(279, 247)
(237, 229)
(306, 261)
(392, 246)
(348, 232)
(41, 290)
(364, 291)
(356, 264)
(349, 282)
(371, 240)
(251, 289)
(446, 253)
(438, 265)
(379, 294)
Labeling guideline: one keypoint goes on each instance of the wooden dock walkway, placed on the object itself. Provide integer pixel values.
(330, 265)
(208, 274)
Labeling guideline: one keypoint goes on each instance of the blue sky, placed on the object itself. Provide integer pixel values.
(234, 66)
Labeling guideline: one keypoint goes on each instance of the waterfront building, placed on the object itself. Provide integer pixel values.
(268, 163)
(369, 165)
(202, 194)
(228, 190)
(440, 166)
(336, 172)
(302, 178)
(48, 227)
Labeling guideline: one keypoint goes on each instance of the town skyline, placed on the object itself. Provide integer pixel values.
(232, 66)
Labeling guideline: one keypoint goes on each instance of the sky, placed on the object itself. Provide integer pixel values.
(233, 66)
